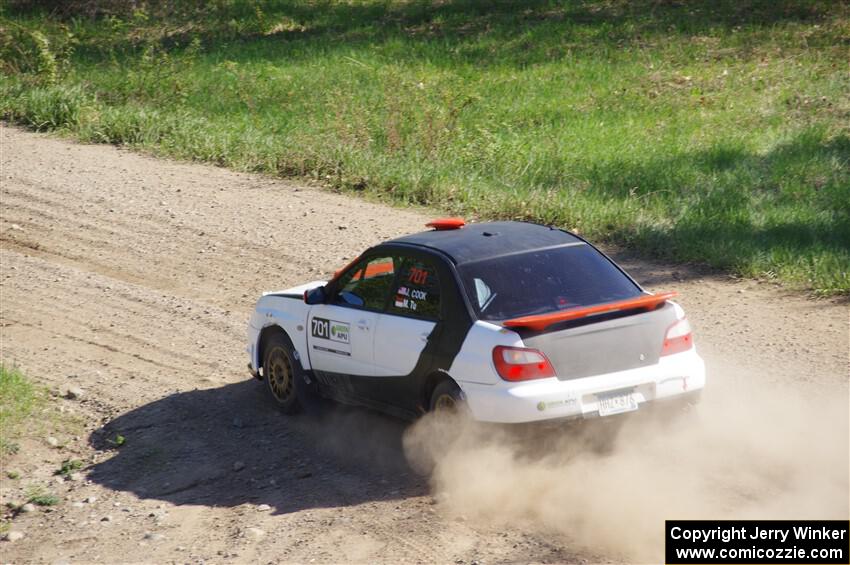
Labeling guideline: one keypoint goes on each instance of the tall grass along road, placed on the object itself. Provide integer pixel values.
(714, 132)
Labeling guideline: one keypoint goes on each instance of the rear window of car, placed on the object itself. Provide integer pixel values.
(542, 281)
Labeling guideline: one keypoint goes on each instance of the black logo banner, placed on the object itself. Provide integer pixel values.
(695, 542)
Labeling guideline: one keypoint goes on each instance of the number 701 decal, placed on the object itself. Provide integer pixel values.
(330, 329)
(417, 276)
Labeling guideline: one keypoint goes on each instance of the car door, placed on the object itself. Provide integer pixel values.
(341, 331)
(404, 330)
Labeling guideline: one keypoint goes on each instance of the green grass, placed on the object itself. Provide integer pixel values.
(69, 466)
(19, 399)
(38, 496)
(706, 131)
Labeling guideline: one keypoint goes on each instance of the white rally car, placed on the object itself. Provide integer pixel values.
(521, 322)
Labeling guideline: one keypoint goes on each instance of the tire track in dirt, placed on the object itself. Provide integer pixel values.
(159, 238)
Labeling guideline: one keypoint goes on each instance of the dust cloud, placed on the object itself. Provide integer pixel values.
(746, 452)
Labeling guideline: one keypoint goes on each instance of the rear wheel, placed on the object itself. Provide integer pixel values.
(282, 373)
(447, 398)
(429, 441)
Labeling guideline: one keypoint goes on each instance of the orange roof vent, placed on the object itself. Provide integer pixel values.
(441, 224)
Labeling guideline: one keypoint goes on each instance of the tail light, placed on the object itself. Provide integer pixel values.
(678, 338)
(521, 364)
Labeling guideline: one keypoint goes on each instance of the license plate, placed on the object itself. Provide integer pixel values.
(616, 403)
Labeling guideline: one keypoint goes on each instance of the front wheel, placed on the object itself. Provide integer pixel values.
(282, 373)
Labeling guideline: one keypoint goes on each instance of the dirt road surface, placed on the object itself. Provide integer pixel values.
(132, 278)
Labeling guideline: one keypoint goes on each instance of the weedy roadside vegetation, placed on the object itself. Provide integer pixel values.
(707, 131)
(69, 466)
(19, 400)
(38, 496)
(26, 413)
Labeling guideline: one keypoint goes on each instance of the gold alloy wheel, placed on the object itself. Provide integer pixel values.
(280, 375)
(445, 403)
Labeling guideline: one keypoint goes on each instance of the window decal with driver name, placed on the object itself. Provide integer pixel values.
(418, 293)
(408, 297)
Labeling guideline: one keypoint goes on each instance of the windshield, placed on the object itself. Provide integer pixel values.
(547, 280)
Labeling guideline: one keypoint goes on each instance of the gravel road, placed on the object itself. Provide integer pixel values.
(131, 278)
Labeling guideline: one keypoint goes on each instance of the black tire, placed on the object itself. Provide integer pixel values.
(445, 423)
(282, 372)
(448, 397)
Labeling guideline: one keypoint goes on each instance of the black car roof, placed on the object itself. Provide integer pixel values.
(489, 240)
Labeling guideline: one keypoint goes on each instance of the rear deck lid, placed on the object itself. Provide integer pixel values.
(609, 343)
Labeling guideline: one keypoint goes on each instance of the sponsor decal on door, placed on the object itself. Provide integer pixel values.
(331, 330)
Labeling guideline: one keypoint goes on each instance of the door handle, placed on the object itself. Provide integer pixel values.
(363, 325)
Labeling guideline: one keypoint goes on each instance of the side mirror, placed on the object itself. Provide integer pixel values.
(315, 296)
(351, 298)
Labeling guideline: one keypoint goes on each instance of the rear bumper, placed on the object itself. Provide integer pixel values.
(674, 376)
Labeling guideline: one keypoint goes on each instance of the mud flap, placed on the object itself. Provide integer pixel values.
(307, 391)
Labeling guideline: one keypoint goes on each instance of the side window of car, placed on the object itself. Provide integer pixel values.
(367, 285)
(417, 290)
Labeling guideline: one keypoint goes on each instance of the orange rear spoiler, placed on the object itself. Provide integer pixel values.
(540, 322)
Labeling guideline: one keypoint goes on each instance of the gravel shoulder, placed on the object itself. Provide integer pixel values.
(132, 279)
